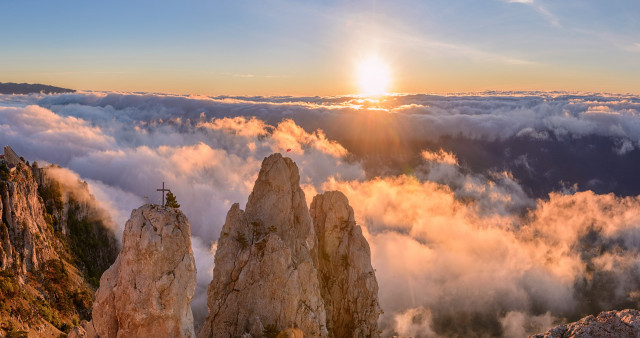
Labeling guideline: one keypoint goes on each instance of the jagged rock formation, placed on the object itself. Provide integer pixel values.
(148, 290)
(265, 266)
(43, 276)
(27, 242)
(267, 275)
(349, 286)
(625, 323)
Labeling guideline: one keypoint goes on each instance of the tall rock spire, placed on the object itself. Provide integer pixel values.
(349, 285)
(268, 276)
(265, 275)
(148, 290)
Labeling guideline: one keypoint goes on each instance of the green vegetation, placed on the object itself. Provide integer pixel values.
(12, 332)
(91, 243)
(171, 200)
(51, 194)
(18, 304)
(65, 299)
(9, 287)
(4, 172)
(62, 304)
(56, 284)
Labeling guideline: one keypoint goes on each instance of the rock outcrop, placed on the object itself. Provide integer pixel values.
(625, 323)
(84, 330)
(27, 242)
(349, 286)
(265, 275)
(268, 276)
(47, 272)
(148, 290)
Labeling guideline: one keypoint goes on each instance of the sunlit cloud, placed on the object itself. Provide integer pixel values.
(447, 240)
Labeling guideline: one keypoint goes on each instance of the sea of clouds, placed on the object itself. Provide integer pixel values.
(493, 214)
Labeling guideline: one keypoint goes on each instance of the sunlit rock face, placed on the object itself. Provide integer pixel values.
(268, 275)
(26, 242)
(349, 286)
(265, 275)
(148, 290)
(625, 323)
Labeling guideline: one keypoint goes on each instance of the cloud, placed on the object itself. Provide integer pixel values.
(460, 196)
(441, 156)
(436, 252)
(40, 132)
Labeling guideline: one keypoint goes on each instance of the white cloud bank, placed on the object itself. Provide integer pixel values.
(456, 252)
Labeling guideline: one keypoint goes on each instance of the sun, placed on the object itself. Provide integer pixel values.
(374, 76)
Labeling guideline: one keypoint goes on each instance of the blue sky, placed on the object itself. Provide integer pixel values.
(313, 47)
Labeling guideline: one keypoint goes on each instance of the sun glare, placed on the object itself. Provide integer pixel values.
(374, 77)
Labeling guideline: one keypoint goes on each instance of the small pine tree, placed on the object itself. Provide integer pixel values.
(171, 200)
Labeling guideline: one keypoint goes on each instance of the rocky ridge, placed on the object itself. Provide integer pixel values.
(27, 242)
(268, 275)
(45, 285)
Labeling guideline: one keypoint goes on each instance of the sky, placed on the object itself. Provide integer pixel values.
(281, 47)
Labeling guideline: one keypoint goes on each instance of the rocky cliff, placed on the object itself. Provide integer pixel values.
(349, 286)
(75, 214)
(148, 290)
(44, 282)
(268, 276)
(625, 323)
(27, 241)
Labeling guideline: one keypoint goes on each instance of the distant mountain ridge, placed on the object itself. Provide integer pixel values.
(28, 88)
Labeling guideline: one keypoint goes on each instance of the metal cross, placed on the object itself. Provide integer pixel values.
(163, 190)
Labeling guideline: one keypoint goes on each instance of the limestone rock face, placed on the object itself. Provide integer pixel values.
(265, 274)
(26, 243)
(84, 330)
(349, 286)
(148, 290)
(625, 323)
(280, 266)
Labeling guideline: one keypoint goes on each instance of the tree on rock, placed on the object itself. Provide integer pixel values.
(171, 200)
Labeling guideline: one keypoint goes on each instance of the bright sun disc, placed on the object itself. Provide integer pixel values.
(373, 76)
